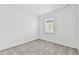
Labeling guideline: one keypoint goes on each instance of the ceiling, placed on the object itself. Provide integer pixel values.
(40, 9)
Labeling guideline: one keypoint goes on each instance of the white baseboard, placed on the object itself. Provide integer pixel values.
(16, 44)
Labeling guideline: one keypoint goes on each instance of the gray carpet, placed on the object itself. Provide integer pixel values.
(39, 47)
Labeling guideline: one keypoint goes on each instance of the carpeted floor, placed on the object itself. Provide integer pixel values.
(39, 47)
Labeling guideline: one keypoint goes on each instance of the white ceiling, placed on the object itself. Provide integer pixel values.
(40, 9)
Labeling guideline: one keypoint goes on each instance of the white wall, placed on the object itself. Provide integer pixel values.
(65, 27)
(78, 28)
(16, 26)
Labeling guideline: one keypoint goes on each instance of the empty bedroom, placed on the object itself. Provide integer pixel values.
(39, 29)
